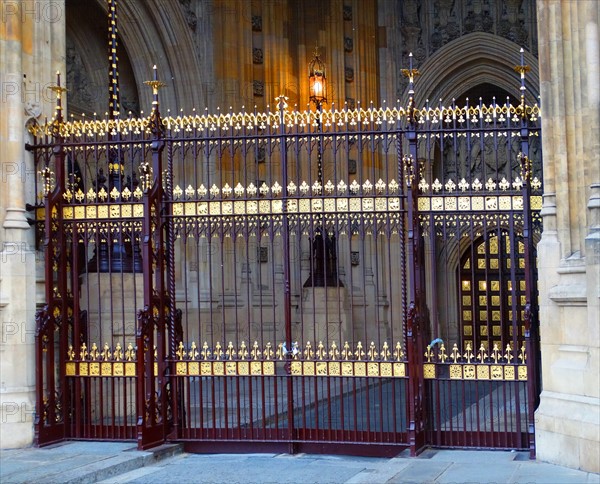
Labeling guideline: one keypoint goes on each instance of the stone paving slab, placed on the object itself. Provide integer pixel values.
(474, 456)
(542, 473)
(420, 471)
(490, 472)
(268, 468)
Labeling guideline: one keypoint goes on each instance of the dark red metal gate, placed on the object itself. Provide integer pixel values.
(291, 280)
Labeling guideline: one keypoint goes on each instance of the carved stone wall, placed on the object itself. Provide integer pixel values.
(568, 418)
(32, 50)
(426, 27)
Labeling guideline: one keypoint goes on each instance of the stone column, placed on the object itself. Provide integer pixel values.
(568, 418)
(32, 49)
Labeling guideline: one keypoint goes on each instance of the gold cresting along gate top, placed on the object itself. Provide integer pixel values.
(245, 122)
(509, 364)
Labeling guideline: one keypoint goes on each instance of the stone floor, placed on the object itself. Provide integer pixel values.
(114, 463)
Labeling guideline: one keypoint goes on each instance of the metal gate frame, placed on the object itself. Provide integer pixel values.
(69, 374)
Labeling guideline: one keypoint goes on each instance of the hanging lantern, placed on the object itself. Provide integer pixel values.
(317, 80)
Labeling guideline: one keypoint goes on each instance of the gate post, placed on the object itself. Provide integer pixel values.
(150, 339)
(286, 268)
(174, 330)
(530, 319)
(51, 395)
(416, 319)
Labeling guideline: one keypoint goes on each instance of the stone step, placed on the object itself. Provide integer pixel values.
(109, 469)
(87, 462)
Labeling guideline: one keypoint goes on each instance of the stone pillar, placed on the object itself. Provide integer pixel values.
(32, 50)
(568, 418)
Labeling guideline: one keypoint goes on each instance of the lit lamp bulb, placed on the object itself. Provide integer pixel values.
(318, 88)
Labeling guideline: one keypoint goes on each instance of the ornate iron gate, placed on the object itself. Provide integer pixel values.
(354, 280)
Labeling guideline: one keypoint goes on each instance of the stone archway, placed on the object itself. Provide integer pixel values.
(473, 65)
(147, 37)
(472, 60)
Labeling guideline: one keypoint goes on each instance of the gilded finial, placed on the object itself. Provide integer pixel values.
(334, 352)
(205, 351)
(58, 89)
(155, 84)
(118, 354)
(180, 351)
(230, 351)
(522, 69)
(193, 354)
(385, 351)
(218, 351)
(130, 353)
(372, 353)
(308, 352)
(399, 352)
(359, 353)
(255, 353)
(243, 353)
(268, 352)
(320, 350)
(428, 353)
(411, 73)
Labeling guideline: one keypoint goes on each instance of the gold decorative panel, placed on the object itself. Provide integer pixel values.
(360, 369)
(94, 369)
(456, 372)
(509, 372)
(496, 372)
(483, 372)
(429, 370)
(469, 372)
(399, 369)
